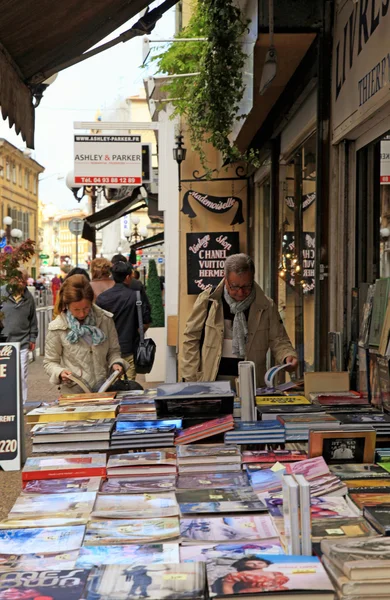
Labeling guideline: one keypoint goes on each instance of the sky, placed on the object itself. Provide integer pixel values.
(78, 94)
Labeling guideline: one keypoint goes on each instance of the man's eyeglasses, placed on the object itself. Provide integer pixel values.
(236, 288)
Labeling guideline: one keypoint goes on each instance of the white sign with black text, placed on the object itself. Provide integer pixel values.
(113, 160)
(11, 424)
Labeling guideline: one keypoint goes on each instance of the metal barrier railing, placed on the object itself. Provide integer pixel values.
(44, 316)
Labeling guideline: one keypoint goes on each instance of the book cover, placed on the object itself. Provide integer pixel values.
(125, 554)
(157, 581)
(206, 429)
(212, 480)
(41, 540)
(151, 426)
(355, 590)
(265, 456)
(54, 448)
(118, 531)
(135, 506)
(321, 507)
(62, 486)
(379, 517)
(361, 499)
(22, 523)
(54, 584)
(208, 452)
(62, 431)
(74, 504)
(265, 480)
(228, 553)
(219, 495)
(47, 414)
(360, 558)
(310, 468)
(360, 471)
(366, 486)
(143, 484)
(379, 306)
(77, 465)
(190, 389)
(86, 397)
(270, 574)
(217, 507)
(384, 379)
(266, 427)
(37, 562)
(340, 528)
(281, 400)
(221, 529)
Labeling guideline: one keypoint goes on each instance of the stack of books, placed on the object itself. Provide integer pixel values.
(205, 430)
(258, 432)
(208, 481)
(194, 400)
(78, 465)
(144, 434)
(94, 398)
(358, 567)
(265, 458)
(62, 436)
(208, 457)
(380, 422)
(159, 462)
(139, 402)
(298, 426)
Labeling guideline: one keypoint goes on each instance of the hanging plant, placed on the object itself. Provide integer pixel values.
(209, 100)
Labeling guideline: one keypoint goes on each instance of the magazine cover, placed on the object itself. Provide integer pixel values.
(157, 581)
(120, 531)
(244, 495)
(94, 556)
(20, 523)
(62, 486)
(359, 471)
(266, 480)
(134, 459)
(201, 451)
(321, 507)
(143, 484)
(40, 540)
(72, 504)
(135, 506)
(310, 468)
(212, 480)
(37, 562)
(269, 573)
(221, 529)
(228, 553)
(54, 584)
(361, 499)
(221, 507)
(264, 456)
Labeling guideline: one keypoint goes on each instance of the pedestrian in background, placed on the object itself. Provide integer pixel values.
(101, 276)
(20, 324)
(55, 286)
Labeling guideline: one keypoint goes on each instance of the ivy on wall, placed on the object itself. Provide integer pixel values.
(209, 100)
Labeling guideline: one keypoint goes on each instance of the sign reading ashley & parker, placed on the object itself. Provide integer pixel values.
(206, 255)
(215, 204)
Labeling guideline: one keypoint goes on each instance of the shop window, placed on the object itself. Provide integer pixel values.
(35, 186)
(8, 170)
(13, 173)
(26, 179)
(20, 176)
(262, 253)
(296, 247)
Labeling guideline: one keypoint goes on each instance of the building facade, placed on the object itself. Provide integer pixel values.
(58, 244)
(19, 187)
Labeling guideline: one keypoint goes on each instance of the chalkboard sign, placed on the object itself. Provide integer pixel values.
(10, 417)
(206, 255)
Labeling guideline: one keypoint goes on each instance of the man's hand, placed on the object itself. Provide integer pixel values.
(117, 367)
(31, 346)
(292, 363)
(64, 376)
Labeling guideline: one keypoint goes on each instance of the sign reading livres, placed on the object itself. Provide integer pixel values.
(206, 255)
(10, 451)
(113, 160)
(215, 204)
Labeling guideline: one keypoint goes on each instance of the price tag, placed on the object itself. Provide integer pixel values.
(204, 481)
(216, 497)
(337, 531)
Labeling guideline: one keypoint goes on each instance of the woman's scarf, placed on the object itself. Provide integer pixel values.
(240, 328)
(88, 328)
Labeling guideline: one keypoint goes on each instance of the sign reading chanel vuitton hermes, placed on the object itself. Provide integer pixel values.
(206, 255)
(215, 204)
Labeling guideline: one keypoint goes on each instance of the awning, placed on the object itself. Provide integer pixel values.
(155, 240)
(38, 39)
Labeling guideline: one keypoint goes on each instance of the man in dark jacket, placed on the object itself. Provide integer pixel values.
(121, 300)
(20, 324)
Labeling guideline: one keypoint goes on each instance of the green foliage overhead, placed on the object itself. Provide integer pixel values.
(153, 290)
(210, 100)
(10, 274)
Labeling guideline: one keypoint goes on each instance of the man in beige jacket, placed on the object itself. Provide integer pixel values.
(236, 321)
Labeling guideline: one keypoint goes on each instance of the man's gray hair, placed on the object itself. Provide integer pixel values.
(239, 263)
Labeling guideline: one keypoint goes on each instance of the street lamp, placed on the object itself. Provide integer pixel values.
(179, 154)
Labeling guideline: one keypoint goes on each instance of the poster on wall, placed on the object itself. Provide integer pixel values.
(206, 255)
(306, 262)
(215, 204)
(10, 435)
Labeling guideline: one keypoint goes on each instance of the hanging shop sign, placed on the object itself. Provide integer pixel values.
(305, 263)
(385, 161)
(307, 200)
(113, 160)
(215, 204)
(361, 65)
(206, 255)
(10, 420)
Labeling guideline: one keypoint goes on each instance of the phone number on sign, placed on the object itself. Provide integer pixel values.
(8, 446)
(107, 180)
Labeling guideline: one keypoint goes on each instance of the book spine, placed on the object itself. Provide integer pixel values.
(305, 515)
(63, 474)
(291, 515)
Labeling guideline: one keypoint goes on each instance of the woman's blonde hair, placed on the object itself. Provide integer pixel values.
(100, 268)
(74, 289)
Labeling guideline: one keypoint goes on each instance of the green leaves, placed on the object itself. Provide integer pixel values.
(210, 100)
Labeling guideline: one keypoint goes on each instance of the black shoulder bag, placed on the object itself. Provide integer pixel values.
(146, 349)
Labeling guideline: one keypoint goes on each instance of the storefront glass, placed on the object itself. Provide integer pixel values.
(262, 254)
(296, 247)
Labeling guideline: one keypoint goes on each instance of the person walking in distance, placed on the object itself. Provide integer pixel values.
(20, 324)
(235, 322)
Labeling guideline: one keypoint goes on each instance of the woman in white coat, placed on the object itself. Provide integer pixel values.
(82, 339)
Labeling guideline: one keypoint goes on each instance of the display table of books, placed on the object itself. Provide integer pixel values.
(167, 494)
